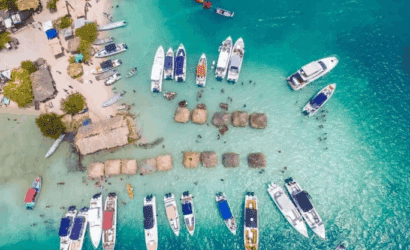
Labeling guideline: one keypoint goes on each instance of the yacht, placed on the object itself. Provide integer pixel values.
(105, 66)
(172, 212)
(251, 231)
(95, 214)
(113, 79)
(157, 71)
(180, 64)
(110, 222)
(33, 193)
(150, 223)
(226, 212)
(78, 231)
(201, 71)
(66, 226)
(319, 100)
(225, 51)
(235, 63)
(312, 71)
(287, 208)
(302, 202)
(188, 211)
(169, 65)
(111, 49)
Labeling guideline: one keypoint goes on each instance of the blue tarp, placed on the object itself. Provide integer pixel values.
(106, 65)
(187, 208)
(110, 47)
(51, 33)
(86, 122)
(64, 226)
(179, 62)
(225, 210)
(303, 201)
(319, 100)
(78, 225)
(168, 62)
(251, 217)
(148, 217)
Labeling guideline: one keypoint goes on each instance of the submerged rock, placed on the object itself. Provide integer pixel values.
(191, 159)
(221, 118)
(257, 160)
(169, 95)
(183, 104)
(148, 166)
(182, 115)
(200, 114)
(240, 119)
(209, 159)
(230, 160)
(164, 162)
(129, 166)
(224, 106)
(258, 120)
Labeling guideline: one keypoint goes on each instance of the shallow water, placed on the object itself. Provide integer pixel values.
(357, 176)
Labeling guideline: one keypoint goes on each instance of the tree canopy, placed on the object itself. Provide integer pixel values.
(19, 88)
(73, 104)
(50, 125)
(4, 38)
(28, 66)
(88, 32)
(9, 5)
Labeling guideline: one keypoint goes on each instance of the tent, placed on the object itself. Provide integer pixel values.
(78, 58)
(51, 33)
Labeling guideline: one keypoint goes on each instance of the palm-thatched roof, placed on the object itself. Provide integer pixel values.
(43, 85)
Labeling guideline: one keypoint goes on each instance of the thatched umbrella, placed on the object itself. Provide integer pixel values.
(191, 159)
(257, 160)
(112, 167)
(128, 166)
(96, 170)
(230, 160)
(148, 166)
(258, 120)
(74, 70)
(209, 159)
(164, 162)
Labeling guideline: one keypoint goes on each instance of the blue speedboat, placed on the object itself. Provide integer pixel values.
(66, 226)
(79, 228)
(226, 212)
(188, 211)
(169, 65)
(180, 64)
(319, 100)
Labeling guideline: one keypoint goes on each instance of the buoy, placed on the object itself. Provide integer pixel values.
(207, 5)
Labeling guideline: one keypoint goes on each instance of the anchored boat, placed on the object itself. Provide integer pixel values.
(251, 230)
(55, 145)
(106, 74)
(78, 231)
(172, 212)
(130, 191)
(113, 100)
(226, 212)
(180, 64)
(105, 66)
(319, 100)
(66, 226)
(150, 223)
(201, 71)
(95, 214)
(157, 70)
(33, 193)
(188, 211)
(169, 65)
(110, 222)
(225, 51)
(235, 64)
(112, 79)
(113, 25)
(132, 73)
(111, 49)
(104, 40)
(223, 12)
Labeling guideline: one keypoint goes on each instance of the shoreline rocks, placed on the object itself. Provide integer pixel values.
(257, 160)
(258, 120)
(230, 160)
(191, 159)
(209, 159)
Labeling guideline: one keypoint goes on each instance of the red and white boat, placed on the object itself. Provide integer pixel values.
(33, 193)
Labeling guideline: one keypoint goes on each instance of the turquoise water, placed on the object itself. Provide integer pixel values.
(357, 176)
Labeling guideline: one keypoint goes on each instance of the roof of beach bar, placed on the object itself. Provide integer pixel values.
(43, 85)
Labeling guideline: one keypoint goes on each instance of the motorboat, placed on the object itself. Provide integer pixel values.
(66, 225)
(169, 95)
(302, 202)
(78, 231)
(319, 100)
(33, 193)
(130, 191)
(109, 222)
(172, 212)
(223, 12)
(106, 74)
(235, 63)
(225, 51)
(251, 230)
(169, 65)
(226, 212)
(105, 66)
(201, 71)
(112, 25)
(311, 72)
(104, 40)
(287, 208)
(157, 70)
(188, 211)
(95, 216)
(113, 79)
(113, 100)
(111, 49)
(108, 16)
(150, 223)
(180, 64)
(341, 246)
(132, 73)
(55, 145)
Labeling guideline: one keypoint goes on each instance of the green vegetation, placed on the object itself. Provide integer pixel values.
(9, 5)
(88, 32)
(52, 4)
(28, 66)
(4, 38)
(64, 22)
(50, 125)
(71, 59)
(84, 49)
(73, 104)
(19, 88)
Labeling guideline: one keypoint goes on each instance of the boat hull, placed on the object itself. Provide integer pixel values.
(104, 41)
(112, 100)
(65, 241)
(55, 146)
(95, 221)
(108, 235)
(223, 59)
(189, 219)
(78, 244)
(229, 222)
(157, 70)
(113, 25)
(120, 47)
(237, 58)
(151, 235)
(251, 230)
(172, 213)
(310, 109)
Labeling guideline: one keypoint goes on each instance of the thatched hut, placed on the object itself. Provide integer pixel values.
(258, 120)
(209, 159)
(221, 118)
(182, 115)
(75, 70)
(257, 160)
(200, 114)
(148, 166)
(128, 166)
(240, 119)
(164, 162)
(95, 171)
(230, 160)
(191, 159)
(112, 167)
(43, 85)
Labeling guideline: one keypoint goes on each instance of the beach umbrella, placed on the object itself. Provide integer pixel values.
(207, 5)
(78, 58)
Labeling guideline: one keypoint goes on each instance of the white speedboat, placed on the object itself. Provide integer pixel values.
(113, 79)
(188, 211)
(172, 212)
(319, 100)
(287, 208)
(169, 65)
(150, 223)
(223, 12)
(201, 71)
(111, 49)
(95, 215)
(225, 51)
(132, 72)
(312, 72)
(113, 100)
(180, 64)
(226, 212)
(235, 63)
(251, 230)
(55, 145)
(157, 70)
(302, 202)
(66, 226)
(106, 74)
(105, 66)
(110, 222)
(104, 40)
(78, 231)
(112, 25)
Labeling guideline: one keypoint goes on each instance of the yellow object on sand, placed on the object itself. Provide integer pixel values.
(130, 191)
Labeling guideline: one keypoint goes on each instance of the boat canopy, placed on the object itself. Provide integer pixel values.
(148, 217)
(225, 210)
(107, 64)
(168, 62)
(179, 62)
(64, 226)
(312, 68)
(110, 48)
(187, 208)
(200, 70)
(303, 201)
(319, 100)
(93, 214)
(223, 59)
(30, 195)
(107, 224)
(251, 217)
(78, 225)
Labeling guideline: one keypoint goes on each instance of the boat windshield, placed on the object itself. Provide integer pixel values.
(187, 208)
(225, 210)
(303, 201)
(148, 217)
(251, 216)
(323, 65)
